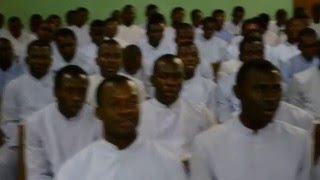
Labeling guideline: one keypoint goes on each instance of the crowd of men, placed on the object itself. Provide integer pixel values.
(164, 100)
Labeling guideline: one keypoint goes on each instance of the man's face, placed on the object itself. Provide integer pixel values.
(238, 16)
(119, 109)
(252, 51)
(97, 34)
(167, 80)
(220, 18)
(132, 61)
(178, 17)
(249, 28)
(66, 47)
(82, 17)
(6, 53)
(128, 16)
(293, 29)
(109, 59)
(39, 60)
(197, 19)
(71, 94)
(15, 28)
(111, 29)
(45, 32)
(208, 29)
(260, 95)
(155, 34)
(190, 59)
(308, 46)
(184, 35)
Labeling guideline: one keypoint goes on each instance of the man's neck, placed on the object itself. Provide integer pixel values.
(236, 22)
(121, 143)
(128, 24)
(36, 76)
(251, 123)
(64, 112)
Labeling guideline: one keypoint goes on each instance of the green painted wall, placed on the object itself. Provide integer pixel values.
(102, 8)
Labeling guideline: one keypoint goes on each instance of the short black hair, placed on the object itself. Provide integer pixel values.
(176, 9)
(209, 19)
(38, 43)
(281, 13)
(217, 11)
(35, 17)
(108, 42)
(261, 65)
(82, 9)
(97, 23)
(65, 32)
(131, 48)
(117, 79)
(194, 13)
(184, 26)
(113, 13)
(126, 7)
(264, 20)
(150, 7)
(249, 40)
(165, 57)
(109, 20)
(250, 21)
(307, 32)
(185, 44)
(53, 16)
(14, 19)
(156, 18)
(238, 9)
(72, 70)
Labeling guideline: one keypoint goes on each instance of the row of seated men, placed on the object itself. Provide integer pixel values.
(115, 110)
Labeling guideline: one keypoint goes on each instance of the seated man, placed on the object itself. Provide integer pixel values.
(122, 154)
(253, 145)
(234, 26)
(22, 97)
(228, 104)
(66, 52)
(109, 60)
(167, 117)
(196, 89)
(221, 32)
(111, 32)
(61, 129)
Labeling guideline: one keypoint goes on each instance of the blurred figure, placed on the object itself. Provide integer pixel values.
(221, 32)
(34, 23)
(234, 26)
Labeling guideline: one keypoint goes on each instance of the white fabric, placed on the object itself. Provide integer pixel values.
(270, 38)
(142, 160)
(89, 54)
(22, 97)
(275, 28)
(212, 50)
(51, 139)
(304, 91)
(82, 34)
(200, 91)
(229, 67)
(176, 125)
(150, 54)
(233, 152)
(315, 27)
(95, 80)
(131, 34)
(79, 59)
(232, 28)
(170, 34)
(121, 42)
(283, 52)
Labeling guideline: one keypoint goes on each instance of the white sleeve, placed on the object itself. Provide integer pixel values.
(224, 110)
(36, 158)
(304, 170)
(199, 165)
(212, 100)
(294, 93)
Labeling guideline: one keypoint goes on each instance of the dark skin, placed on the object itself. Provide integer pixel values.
(208, 30)
(167, 80)
(220, 17)
(292, 30)
(281, 20)
(184, 35)
(45, 32)
(109, 59)
(111, 29)
(177, 18)
(155, 34)
(66, 47)
(34, 25)
(307, 46)
(237, 17)
(250, 27)
(39, 61)
(15, 29)
(97, 35)
(260, 96)
(132, 61)
(81, 18)
(197, 19)
(128, 16)
(252, 51)
(117, 16)
(190, 59)
(71, 94)
(119, 111)
(6, 55)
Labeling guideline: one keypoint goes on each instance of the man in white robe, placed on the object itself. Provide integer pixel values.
(109, 60)
(80, 28)
(111, 32)
(128, 31)
(253, 145)
(22, 97)
(234, 26)
(168, 118)
(123, 154)
(60, 130)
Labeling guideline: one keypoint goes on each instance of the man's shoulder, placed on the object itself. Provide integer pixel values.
(306, 75)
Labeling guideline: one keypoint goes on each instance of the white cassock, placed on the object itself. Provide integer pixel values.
(121, 42)
(150, 54)
(131, 34)
(51, 139)
(20, 44)
(175, 125)
(228, 105)
(200, 91)
(315, 27)
(82, 34)
(270, 38)
(316, 171)
(283, 52)
(79, 59)
(95, 80)
(304, 91)
(232, 28)
(89, 53)
(142, 160)
(231, 151)
(212, 50)
(22, 97)
(275, 28)
(170, 34)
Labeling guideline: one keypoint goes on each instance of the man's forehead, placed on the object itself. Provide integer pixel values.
(108, 47)
(257, 77)
(127, 88)
(170, 65)
(71, 79)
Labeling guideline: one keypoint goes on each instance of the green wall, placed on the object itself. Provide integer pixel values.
(102, 8)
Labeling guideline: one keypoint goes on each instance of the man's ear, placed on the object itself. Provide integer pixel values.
(237, 91)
